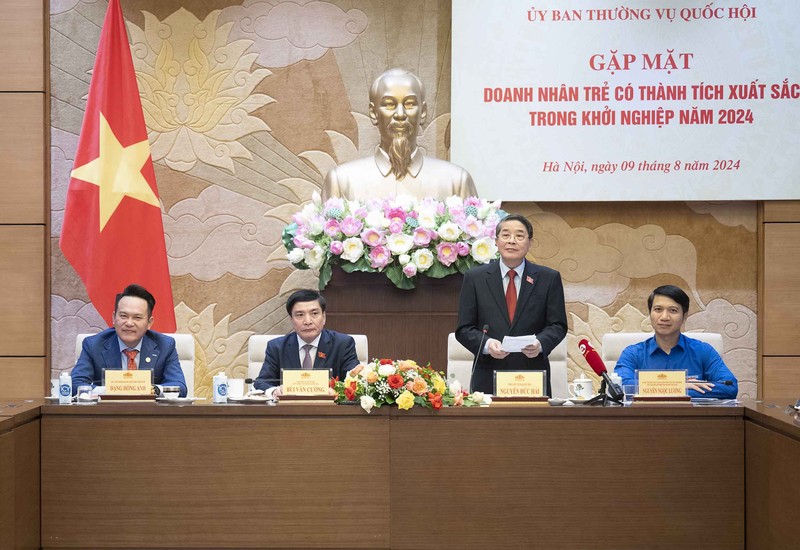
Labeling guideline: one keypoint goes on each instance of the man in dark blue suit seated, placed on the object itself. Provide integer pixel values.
(130, 345)
(308, 346)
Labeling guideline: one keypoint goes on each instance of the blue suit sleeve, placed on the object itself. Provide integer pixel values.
(350, 357)
(173, 374)
(83, 371)
(268, 376)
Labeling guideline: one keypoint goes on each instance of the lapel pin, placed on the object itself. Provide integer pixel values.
(529, 279)
(321, 355)
(146, 359)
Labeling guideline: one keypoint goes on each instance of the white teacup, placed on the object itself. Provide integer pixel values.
(171, 392)
(581, 388)
(235, 387)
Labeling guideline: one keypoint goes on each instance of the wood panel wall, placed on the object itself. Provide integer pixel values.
(24, 197)
(779, 300)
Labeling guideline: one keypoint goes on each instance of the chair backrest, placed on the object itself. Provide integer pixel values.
(459, 365)
(184, 346)
(615, 342)
(257, 348)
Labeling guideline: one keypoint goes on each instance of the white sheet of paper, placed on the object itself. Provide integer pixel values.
(514, 344)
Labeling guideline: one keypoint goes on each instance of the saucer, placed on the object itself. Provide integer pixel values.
(250, 399)
(179, 400)
(87, 401)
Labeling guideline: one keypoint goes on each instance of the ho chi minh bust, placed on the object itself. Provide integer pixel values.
(398, 167)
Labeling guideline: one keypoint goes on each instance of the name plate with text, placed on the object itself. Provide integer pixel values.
(519, 384)
(128, 382)
(299, 382)
(662, 383)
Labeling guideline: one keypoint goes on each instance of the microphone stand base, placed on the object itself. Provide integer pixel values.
(602, 400)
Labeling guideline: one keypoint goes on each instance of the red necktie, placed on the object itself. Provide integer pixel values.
(511, 295)
(131, 355)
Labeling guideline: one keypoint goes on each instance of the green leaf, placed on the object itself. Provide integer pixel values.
(395, 274)
(287, 236)
(325, 274)
(464, 264)
(361, 265)
(438, 271)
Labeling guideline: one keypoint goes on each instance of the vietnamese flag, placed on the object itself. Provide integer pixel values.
(113, 234)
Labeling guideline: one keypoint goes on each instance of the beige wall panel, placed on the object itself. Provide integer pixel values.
(22, 150)
(782, 211)
(22, 36)
(781, 377)
(23, 377)
(22, 294)
(781, 314)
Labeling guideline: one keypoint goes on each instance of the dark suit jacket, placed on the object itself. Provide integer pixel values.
(101, 351)
(336, 352)
(540, 311)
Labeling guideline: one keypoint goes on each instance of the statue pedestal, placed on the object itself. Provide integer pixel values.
(400, 324)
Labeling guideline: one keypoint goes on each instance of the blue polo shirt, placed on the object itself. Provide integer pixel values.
(697, 358)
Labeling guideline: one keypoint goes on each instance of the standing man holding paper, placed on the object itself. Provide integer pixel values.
(513, 297)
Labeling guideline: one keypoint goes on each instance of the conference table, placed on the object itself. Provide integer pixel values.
(301, 475)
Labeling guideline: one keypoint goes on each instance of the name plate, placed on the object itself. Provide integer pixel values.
(299, 382)
(128, 382)
(662, 383)
(516, 384)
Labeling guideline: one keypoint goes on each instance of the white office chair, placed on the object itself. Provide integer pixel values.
(459, 365)
(257, 348)
(615, 342)
(184, 346)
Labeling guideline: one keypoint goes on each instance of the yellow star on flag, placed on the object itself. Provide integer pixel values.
(117, 172)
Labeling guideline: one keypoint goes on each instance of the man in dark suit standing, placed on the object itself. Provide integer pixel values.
(130, 345)
(309, 346)
(514, 297)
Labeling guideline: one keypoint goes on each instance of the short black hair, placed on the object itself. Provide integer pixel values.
(305, 295)
(672, 292)
(517, 218)
(137, 291)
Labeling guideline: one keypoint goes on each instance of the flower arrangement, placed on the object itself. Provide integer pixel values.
(399, 236)
(402, 383)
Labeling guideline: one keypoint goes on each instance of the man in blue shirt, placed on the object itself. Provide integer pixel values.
(668, 349)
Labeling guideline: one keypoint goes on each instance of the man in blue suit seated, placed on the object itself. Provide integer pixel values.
(130, 345)
(706, 373)
(309, 346)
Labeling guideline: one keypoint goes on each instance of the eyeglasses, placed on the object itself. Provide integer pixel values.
(509, 237)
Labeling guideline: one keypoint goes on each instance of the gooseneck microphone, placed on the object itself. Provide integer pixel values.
(597, 365)
(475, 361)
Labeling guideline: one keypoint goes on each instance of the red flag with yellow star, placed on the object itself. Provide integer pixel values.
(113, 234)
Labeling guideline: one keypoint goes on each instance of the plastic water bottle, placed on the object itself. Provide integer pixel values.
(220, 388)
(616, 379)
(65, 388)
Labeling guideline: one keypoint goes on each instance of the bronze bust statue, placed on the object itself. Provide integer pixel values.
(398, 167)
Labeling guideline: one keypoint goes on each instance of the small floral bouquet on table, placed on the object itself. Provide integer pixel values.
(402, 383)
(400, 236)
